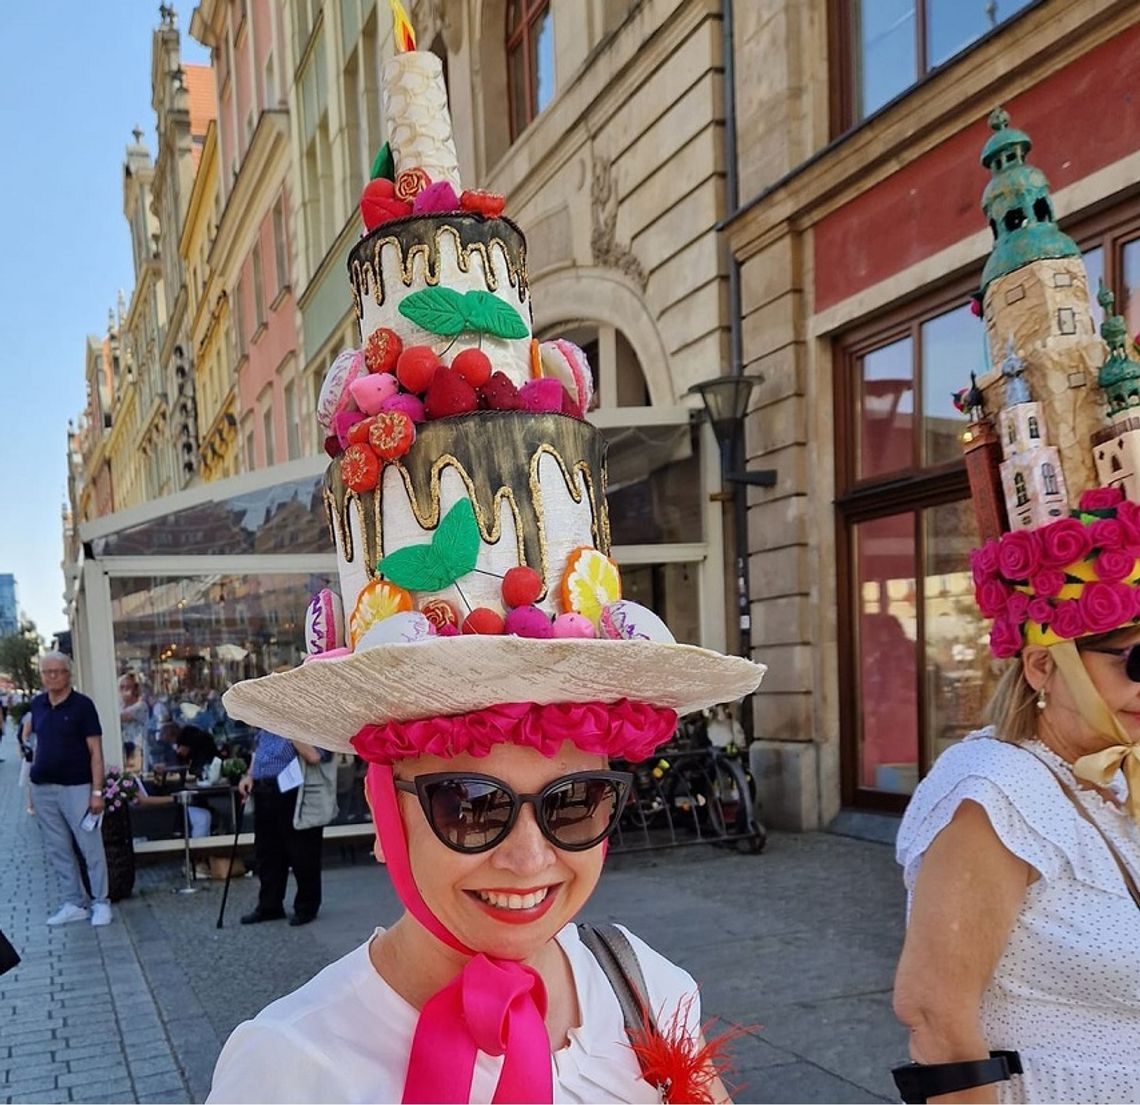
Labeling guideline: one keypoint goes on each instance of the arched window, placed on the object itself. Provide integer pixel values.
(530, 60)
(1049, 476)
(1034, 429)
(1019, 489)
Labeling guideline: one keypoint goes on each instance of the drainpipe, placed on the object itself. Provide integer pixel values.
(736, 352)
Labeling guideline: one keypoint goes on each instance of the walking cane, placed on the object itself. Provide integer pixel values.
(239, 816)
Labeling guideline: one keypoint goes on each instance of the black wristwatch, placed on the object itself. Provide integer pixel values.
(917, 1082)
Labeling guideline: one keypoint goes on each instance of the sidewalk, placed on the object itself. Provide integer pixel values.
(799, 942)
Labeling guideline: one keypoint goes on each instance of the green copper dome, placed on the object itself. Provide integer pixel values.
(1017, 204)
(1120, 375)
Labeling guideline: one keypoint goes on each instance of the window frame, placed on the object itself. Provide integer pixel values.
(520, 38)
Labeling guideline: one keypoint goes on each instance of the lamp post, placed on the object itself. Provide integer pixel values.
(725, 400)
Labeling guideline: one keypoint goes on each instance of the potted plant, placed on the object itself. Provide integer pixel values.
(120, 791)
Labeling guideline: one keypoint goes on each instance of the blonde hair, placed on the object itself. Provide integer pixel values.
(1011, 710)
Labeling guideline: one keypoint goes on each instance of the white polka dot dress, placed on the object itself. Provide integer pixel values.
(1066, 992)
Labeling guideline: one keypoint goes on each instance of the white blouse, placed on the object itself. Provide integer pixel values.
(345, 1036)
(1066, 991)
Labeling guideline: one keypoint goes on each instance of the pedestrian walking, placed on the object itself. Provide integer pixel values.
(134, 717)
(294, 797)
(27, 742)
(66, 777)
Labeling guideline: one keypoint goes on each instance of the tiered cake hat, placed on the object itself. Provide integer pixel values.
(466, 491)
(1053, 449)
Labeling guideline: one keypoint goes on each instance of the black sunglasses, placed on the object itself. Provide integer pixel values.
(472, 813)
(1131, 656)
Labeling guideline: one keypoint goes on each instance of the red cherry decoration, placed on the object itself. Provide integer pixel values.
(521, 586)
(382, 350)
(391, 434)
(416, 368)
(449, 395)
(485, 621)
(360, 468)
(474, 366)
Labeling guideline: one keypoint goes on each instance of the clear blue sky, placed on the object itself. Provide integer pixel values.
(74, 81)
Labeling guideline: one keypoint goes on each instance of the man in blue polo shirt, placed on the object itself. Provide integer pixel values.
(67, 777)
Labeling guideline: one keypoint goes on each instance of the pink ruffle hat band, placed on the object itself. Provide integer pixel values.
(1072, 578)
(623, 730)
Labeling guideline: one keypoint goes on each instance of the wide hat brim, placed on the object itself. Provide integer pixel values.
(327, 702)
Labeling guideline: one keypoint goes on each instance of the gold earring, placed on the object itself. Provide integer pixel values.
(1041, 699)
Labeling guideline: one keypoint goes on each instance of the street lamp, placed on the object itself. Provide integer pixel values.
(726, 402)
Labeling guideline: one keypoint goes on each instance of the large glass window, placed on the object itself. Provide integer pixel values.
(891, 44)
(530, 60)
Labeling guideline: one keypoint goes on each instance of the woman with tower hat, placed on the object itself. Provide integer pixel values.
(480, 657)
(1021, 849)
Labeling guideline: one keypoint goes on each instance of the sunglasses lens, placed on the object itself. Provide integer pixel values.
(1132, 663)
(469, 814)
(581, 811)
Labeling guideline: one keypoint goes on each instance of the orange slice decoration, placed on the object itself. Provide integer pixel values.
(379, 600)
(591, 581)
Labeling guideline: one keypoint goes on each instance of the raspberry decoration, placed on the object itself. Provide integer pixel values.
(416, 368)
(480, 202)
(391, 434)
(382, 349)
(410, 183)
(474, 366)
(360, 468)
(521, 586)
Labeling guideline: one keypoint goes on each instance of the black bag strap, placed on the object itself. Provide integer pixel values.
(9, 957)
(615, 955)
(917, 1082)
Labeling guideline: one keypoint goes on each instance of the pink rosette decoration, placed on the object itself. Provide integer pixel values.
(1068, 621)
(1101, 498)
(624, 730)
(1047, 582)
(984, 561)
(1107, 533)
(992, 596)
(1040, 611)
(1019, 554)
(1005, 639)
(1128, 515)
(1064, 542)
(1106, 606)
(1017, 607)
(1114, 565)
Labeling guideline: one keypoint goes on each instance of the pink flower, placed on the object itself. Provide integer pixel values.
(1064, 542)
(1017, 607)
(1128, 515)
(1107, 606)
(1114, 565)
(1047, 583)
(992, 596)
(984, 562)
(1101, 498)
(1041, 611)
(1019, 555)
(1005, 639)
(1068, 621)
(1107, 533)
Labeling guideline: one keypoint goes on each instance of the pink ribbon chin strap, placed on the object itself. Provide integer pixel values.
(497, 1006)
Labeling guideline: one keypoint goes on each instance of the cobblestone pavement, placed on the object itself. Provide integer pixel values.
(798, 944)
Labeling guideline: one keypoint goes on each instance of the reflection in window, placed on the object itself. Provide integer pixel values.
(530, 60)
(671, 592)
(1129, 305)
(654, 488)
(887, 629)
(1094, 267)
(886, 424)
(952, 347)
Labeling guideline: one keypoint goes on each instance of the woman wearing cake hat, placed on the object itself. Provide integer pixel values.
(1019, 977)
(481, 658)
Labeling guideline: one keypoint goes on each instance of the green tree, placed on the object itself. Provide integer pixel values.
(19, 657)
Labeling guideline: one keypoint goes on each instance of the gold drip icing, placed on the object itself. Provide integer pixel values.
(420, 238)
(493, 453)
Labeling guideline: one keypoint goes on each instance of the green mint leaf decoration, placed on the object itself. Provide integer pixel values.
(383, 164)
(489, 314)
(451, 555)
(437, 310)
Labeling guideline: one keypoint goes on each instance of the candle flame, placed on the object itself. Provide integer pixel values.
(402, 27)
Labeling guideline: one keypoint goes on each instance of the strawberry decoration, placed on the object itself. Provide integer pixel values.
(382, 349)
(449, 395)
(499, 394)
(410, 183)
(391, 434)
(480, 202)
(416, 368)
(360, 468)
(380, 204)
